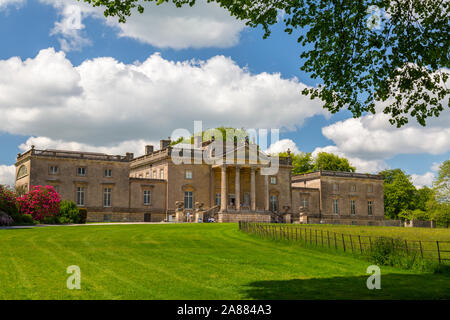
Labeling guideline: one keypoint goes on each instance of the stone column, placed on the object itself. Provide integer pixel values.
(266, 192)
(223, 189)
(238, 188)
(252, 189)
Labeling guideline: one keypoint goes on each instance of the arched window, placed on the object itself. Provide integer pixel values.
(22, 172)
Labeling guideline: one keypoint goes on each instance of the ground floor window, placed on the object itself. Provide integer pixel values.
(218, 198)
(188, 200)
(370, 208)
(335, 206)
(107, 197)
(246, 199)
(352, 207)
(147, 197)
(274, 203)
(81, 192)
(231, 200)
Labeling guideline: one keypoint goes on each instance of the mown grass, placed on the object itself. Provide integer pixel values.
(190, 261)
(423, 234)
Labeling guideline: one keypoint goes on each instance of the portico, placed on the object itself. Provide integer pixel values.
(238, 188)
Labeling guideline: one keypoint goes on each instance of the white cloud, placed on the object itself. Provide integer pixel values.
(421, 180)
(372, 137)
(104, 102)
(6, 3)
(163, 26)
(282, 146)
(370, 140)
(435, 166)
(7, 174)
(70, 28)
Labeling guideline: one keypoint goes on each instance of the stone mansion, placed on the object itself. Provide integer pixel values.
(152, 188)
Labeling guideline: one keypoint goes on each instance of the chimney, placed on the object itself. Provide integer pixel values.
(164, 143)
(198, 141)
(130, 156)
(148, 149)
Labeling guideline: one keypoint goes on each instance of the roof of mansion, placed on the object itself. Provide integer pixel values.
(341, 174)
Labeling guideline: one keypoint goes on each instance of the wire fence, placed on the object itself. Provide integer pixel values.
(431, 250)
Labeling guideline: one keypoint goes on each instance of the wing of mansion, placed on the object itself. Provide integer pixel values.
(153, 188)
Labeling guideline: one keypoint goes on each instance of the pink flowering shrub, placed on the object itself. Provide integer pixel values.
(42, 203)
(7, 201)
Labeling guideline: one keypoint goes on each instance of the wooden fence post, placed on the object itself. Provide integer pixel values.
(421, 250)
(316, 237)
(370, 242)
(351, 242)
(335, 241)
(328, 236)
(439, 251)
(360, 246)
(321, 236)
(343, 242)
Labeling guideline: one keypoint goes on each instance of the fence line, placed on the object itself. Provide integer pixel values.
(432, 250)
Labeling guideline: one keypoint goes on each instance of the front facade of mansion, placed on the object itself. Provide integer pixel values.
(152, 188)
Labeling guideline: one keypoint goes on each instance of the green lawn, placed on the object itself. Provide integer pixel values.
(189, 261)
(424, 234)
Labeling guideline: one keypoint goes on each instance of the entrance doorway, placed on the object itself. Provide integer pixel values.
(147, 217)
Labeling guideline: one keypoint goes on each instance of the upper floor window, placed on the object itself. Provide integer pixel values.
(81, 171)
(353, 188)
(335, 187)
(352, 207)
(147, 174)
(154, 174)
(22, 172)
(188, 174)
(108, 173)
(335, 206)
(370, 188)
(147, 197)
(369, 208)
(273, 180)
(53, 169)
(161, 173)
(107, 197)
(305, 203)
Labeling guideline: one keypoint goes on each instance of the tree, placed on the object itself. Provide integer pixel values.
(366, 52)
(305, 163)
(332, 162)
(442, 183)
(399, 193)
(301, 163)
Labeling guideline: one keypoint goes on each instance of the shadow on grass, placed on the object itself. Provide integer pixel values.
(393, 286)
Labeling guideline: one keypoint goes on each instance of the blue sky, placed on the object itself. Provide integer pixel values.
(66, 98)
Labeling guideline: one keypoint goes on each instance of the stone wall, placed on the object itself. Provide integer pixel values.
(123, 217)
(251, 217)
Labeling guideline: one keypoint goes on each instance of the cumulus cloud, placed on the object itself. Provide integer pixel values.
(7, 174)
(163, 26)
(104, 102)
(421, 180)
(282, 146)
(370, 140)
